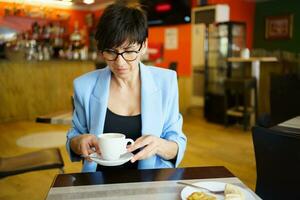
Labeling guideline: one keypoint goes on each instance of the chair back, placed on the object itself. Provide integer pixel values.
(284, 97)
(277, 157)
(37, 160)
(173, 66)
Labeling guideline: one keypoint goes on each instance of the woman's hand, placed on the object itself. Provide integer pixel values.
(85, 144)
(152, 145)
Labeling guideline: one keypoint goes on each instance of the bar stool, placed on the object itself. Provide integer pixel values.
(237, 95)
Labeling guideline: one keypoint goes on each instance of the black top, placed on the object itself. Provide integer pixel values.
(131, 126)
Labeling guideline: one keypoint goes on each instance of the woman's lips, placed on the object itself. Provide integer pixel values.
(121, 69)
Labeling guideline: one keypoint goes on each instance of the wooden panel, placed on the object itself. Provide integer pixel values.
(184, 87)
(29, 89)
(266, 69)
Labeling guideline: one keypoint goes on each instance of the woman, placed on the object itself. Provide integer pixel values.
(127, 97)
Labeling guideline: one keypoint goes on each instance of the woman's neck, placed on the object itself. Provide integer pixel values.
(130, 81)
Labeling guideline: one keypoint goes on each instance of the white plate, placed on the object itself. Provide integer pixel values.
(212, 185)
(123, 159)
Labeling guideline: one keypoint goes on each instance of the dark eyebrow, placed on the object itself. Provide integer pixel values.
(125, 48)
(129, 47)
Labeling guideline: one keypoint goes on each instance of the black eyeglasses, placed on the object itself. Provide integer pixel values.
(112, 55)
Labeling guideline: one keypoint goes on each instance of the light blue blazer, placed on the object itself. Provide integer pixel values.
(159, 111)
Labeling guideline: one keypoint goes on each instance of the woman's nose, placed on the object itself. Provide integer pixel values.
(120, 60)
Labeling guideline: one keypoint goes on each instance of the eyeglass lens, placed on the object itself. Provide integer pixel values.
(112, 55)
(127, 55)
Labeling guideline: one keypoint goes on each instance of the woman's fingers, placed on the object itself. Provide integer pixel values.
(147, 152)
(150, 145)
(85, 150)
(86, 145)
(95, 144)
(139, 143)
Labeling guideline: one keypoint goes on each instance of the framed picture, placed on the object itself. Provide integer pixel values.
(279, 27)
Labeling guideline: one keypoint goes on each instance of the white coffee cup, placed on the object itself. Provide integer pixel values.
(113, 145)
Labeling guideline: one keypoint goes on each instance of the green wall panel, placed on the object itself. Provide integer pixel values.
(275, 8)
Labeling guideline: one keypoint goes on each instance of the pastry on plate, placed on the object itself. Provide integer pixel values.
(233, 192)
(201, 196)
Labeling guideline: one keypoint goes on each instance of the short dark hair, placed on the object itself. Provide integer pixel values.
(121, 22)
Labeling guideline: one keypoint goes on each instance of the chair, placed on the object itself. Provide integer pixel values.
(39, 160)
(240, 89)
(72, 103)
(277, 157)
(284, 97)
(265, 120)
(173, 66)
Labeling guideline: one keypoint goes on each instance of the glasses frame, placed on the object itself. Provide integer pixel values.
(121, 54)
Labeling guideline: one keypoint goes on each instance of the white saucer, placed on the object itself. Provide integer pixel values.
(123, 159)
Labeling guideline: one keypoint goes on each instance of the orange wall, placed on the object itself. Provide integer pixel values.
(97, 14)
(182, 55)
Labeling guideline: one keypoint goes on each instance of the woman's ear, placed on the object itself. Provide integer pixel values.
(100, 54)
(145, 46)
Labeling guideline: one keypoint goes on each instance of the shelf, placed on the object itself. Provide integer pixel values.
(216, 68)
(224, 39)
(215, 83)
(215, 88)
(239, 111)
(218, 37)
(252, 59)
(215, 51)
(61, 36)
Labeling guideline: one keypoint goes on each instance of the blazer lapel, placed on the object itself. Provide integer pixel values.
(151, 109)
(150, 103)
(99, 101)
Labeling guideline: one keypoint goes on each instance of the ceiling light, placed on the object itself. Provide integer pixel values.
(88, 1)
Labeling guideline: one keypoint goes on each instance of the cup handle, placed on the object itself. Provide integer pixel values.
(128, 140)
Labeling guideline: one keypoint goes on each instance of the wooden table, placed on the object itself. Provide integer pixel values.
(255, 72)
(64, 117)
(255, 64)
(290, 127)
(136, 184)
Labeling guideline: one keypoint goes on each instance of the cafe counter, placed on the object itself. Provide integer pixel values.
(33, 88)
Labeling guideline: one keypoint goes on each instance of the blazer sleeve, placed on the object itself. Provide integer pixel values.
(79, 125)
(172, 129)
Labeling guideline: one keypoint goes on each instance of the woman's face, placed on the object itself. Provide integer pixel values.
(123, 61)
